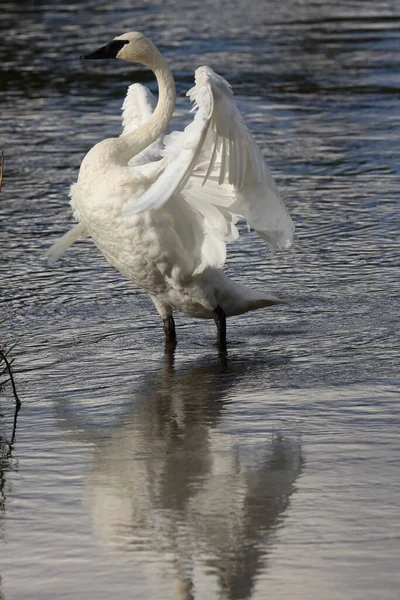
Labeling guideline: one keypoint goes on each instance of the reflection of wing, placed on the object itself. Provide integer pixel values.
(248, 492)
(218, 168)
(137, 109)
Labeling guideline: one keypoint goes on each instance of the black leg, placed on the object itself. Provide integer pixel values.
(220, 321)
(169, 330)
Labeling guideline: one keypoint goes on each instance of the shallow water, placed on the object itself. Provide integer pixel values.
(272, 473)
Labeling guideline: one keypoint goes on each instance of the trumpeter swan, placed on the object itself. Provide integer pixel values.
(162, 209)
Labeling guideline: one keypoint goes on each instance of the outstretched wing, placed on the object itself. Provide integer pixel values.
(137, 109)
(216, 165)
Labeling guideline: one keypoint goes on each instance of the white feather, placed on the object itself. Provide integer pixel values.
(216, 162)
(138, 107)
(65, 242)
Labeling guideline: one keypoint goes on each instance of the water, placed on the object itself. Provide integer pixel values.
(272, 473)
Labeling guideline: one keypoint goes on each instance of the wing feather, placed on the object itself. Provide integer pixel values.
(61, 245)
(138, 107)
(217, 167)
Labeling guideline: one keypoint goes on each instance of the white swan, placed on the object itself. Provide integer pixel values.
(161, 210)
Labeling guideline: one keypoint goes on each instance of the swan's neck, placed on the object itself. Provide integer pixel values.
(131, 144)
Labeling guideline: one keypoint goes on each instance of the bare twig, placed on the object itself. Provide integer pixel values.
(14, 429)
(3, 355)
(1, 168)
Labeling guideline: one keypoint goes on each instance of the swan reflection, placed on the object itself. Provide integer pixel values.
(172, 480)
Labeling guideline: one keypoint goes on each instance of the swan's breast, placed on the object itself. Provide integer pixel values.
(145, 246)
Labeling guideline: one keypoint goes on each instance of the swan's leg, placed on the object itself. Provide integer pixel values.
(169, 330)
(165, 311)
(220, 321)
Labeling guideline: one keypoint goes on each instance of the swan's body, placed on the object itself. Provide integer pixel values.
(161, 210)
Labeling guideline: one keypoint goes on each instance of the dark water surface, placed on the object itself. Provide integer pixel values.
(273, 473)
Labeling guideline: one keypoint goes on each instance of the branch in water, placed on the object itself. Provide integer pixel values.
(3, 356)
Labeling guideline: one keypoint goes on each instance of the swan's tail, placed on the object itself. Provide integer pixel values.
(236, 299)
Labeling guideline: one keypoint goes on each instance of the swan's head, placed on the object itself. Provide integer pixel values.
(132, 46)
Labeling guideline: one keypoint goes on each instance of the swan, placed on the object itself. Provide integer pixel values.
(161, 208)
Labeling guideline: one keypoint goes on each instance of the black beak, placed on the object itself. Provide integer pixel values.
(110, 50)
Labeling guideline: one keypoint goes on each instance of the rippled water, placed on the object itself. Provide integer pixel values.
(272, 473)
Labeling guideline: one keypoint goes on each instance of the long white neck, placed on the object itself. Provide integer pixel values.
(132, 143)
